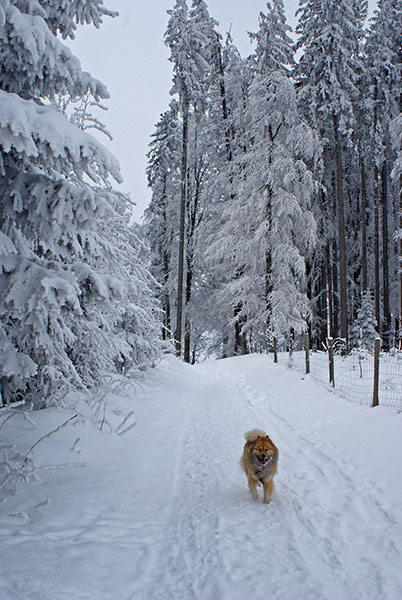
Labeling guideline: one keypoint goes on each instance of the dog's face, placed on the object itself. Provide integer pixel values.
(263, 451)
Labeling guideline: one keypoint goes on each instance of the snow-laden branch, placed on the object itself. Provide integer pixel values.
(43, 134)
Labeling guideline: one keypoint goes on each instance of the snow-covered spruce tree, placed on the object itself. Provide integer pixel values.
(229, 132)
(123, 254)
(288, 150)
(327, 75)
(268, 226)
(364, 329)
(161, 216)
(384, 63)
(178, 40)
(66, 316)
(202, 163)
(193, 41)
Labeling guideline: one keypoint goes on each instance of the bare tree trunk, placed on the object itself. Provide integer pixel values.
(187, 326)
(268, 288)
(323, 304)
(166, 332)
(222, 88)
(341, 233)
(400, 258)
(183, 198)
(229, 155)
(311, 287)
(335, 288)
(268, 266)
(386, 323)
(376, 222)
(376, 254)
(166, 301)
(331, 327)
(237, 338)
(194, 218)
(363, 225)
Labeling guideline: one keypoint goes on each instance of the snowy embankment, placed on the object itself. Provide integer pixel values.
(163, 512)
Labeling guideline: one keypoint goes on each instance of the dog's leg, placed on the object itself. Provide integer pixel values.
(252, 486)
(268, 489)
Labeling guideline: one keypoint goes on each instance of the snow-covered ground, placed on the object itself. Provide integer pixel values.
(163, 512)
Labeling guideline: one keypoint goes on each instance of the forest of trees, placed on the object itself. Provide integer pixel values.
(276, 195)
(76, 298)
(276, 180)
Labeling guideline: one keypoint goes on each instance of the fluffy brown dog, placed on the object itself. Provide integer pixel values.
(259, 461)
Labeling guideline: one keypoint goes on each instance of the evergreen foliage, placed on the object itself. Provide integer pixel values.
(364, 328)
(290, 182)
(71, 307)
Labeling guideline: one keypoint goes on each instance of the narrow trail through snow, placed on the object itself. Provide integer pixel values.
(164, 513)
(321, 536)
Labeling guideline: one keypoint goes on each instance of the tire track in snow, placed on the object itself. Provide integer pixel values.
(270, 559)
(186, 551)
(315, 540)
(340, 524)
(247, 538)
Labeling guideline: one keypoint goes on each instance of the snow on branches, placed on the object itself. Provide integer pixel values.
(40, 135)
(75, 297)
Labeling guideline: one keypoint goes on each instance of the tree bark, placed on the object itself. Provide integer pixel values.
(363, 225)
(187, 326)
(165, 253)
(330, 294)
(376, 221)
(341, 233)
(222, 89)
(399, 255)
(376, 253)
(324, 304)
(183, 199)
(335, 289)
(166, 331)
(386, 322)
(194, 218)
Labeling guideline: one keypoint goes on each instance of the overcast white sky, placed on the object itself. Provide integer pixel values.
(129, 56)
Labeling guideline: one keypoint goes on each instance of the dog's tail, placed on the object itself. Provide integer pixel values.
(253, 434)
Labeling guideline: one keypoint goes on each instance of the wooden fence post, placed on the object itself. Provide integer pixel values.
(307, 353)
(376, 378)
(331, 361)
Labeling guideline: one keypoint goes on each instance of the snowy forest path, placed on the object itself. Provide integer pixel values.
(164, 513)
(318, 539)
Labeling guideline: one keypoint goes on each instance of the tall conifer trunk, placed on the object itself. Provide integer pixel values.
(166, 332)
(187, 323)
(166, 271)
(386, 322)
(363, 226)
(192, 223)
(183, 199)
(330, 294)
(400, 258)
(222, 89)
(376, 222)
(341, 233)
(335, 290)
(376, 253)
(323, 310)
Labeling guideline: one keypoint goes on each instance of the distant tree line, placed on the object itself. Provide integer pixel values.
(276, 180)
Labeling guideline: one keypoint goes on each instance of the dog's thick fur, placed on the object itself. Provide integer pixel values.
(259, 461)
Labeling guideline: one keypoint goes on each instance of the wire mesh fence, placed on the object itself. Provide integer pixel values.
(354, 375)
(391, 380)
